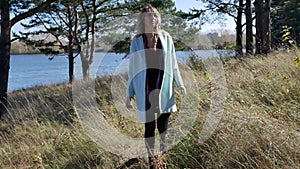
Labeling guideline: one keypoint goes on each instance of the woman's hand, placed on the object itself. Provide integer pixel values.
(128, 102)
(182, 90)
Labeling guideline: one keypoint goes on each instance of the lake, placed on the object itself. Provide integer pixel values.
(28, 71)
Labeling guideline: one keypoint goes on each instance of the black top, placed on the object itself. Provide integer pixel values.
(154, 73)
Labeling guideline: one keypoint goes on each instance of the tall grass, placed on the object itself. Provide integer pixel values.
(260, 127)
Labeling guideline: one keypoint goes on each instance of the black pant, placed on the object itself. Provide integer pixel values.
(162, 126)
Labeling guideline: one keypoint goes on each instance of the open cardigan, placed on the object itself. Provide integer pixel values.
(137, 75)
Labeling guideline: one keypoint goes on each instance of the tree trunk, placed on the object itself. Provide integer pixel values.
(259, 38)
(85, 67)
(93, 40)
(5, 44)
(71, 68)
(249, 30)
(70, 46)
(267, 28)
(4, 54)
(239, 31)
(87, 59)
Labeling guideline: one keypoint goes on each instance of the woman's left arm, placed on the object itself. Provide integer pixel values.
(176, 72)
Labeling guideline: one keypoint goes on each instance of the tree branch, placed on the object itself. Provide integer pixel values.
(100, 3)
(31, 12)
(222, 5)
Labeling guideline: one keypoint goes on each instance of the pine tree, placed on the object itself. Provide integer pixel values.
(22, 10)
(285, 13)
(216, 10)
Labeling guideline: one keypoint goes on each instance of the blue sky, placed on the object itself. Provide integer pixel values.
(185, 5)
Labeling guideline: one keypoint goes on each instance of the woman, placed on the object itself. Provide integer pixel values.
(153, 69)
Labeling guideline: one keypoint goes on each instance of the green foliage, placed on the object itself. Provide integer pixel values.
(181, 46)
(217, 11)
(116, 33)
(70, 21)
(285, 13)
(21, 6)
(161, 5)
(59, 23)
(213, 11)
(184, 35)
(228, 45)
(122, 46)
(51, 30)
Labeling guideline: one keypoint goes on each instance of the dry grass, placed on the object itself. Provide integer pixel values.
(260, 127)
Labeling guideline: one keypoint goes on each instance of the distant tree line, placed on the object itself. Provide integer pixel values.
(220, 39)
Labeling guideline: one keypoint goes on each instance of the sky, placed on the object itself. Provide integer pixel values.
(185, 5)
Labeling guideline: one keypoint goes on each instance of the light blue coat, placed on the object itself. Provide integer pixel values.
(137, 75)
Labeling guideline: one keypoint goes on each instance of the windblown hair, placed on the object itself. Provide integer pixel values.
(140, 23)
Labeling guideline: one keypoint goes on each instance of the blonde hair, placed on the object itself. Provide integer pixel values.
(140, 23)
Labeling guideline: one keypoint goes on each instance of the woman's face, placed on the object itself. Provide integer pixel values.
(150, 20)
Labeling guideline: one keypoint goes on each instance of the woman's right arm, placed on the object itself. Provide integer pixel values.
(130, 90)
